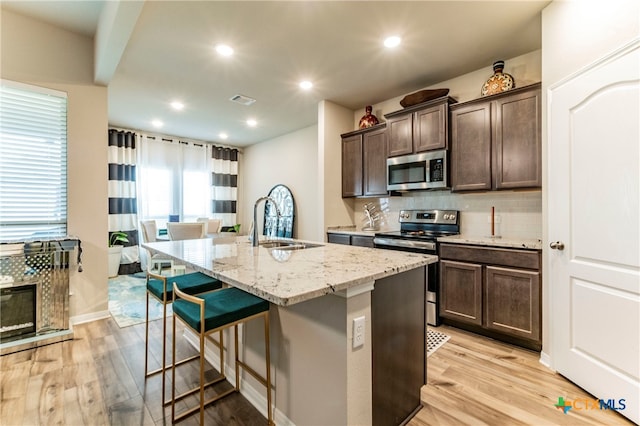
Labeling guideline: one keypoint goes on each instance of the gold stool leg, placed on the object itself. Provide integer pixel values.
(146, 339)
(202, 336)
(173, 372)
(164, 346)
(237, 357)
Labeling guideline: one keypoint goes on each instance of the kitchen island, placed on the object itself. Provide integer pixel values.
(321, 375)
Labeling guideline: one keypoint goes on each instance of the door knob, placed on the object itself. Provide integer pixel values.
(557, 245)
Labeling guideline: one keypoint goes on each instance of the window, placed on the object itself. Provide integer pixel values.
(33, 162)
(174, 180)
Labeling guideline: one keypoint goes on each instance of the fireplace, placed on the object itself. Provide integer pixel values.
(18, 307)
(34, 292)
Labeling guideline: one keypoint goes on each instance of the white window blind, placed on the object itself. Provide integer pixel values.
(33, 162)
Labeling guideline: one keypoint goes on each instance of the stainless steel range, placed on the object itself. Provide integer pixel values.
(419, 230)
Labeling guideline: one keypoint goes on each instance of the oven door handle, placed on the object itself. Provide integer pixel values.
(395, 242)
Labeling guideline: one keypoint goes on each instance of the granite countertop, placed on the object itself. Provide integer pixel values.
(350, 230)
(505, 242)
(286, 277)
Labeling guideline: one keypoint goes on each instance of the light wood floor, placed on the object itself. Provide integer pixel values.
(473, 380)
(98, 379)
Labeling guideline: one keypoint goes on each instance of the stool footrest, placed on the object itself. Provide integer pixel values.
(253, 372)
(195, 390)
(168, 366)
(192, 410)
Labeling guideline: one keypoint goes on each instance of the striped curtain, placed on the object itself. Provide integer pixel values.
(122, 196)
(224, 184)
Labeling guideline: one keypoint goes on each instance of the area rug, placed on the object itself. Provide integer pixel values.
(127, 300)
(435, 339)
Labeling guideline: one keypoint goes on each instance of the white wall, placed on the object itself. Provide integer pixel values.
(291, 160)
(574, 35)
(525, 70)
(333, 120)
(36, 53)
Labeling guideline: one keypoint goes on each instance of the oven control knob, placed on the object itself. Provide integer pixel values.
(446, 217)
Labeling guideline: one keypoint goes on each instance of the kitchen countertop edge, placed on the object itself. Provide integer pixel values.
(350, 230)
(503, 242)
(228, 273)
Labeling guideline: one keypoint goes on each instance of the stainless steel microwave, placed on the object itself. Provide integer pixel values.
(427, 170)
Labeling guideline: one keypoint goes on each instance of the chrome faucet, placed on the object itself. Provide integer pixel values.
(254, 234)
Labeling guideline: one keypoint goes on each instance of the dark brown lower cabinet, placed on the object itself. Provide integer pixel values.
(492, 291)
(339, 238)
(461, 297)
(350, 239)
(512, 302)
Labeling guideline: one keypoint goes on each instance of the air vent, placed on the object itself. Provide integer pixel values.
(242, 100)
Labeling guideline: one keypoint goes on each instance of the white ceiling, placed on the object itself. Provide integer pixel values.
(168, 53)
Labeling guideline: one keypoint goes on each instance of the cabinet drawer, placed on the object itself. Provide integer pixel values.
(339, 239)
(492, 256)
(362, 241)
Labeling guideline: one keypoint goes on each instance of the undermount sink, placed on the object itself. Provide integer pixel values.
(287, 245)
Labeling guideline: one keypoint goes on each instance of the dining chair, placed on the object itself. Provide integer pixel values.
(213, 225)
(149, 231)
(185, 230)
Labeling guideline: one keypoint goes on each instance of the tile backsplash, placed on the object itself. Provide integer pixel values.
(519, 212)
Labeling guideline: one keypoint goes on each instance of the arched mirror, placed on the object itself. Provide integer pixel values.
(283, 227)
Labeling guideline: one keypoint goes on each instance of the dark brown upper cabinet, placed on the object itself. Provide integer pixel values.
(419, 128)
(364, 162)
(496, 141)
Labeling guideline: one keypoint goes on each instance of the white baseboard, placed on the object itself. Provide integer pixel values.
(545, 360)
(93, 316)
(254, 396)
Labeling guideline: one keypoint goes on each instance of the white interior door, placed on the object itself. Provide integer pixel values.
(593, 210)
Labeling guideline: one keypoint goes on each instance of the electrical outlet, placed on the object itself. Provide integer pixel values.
(358, 332)
(496, 219)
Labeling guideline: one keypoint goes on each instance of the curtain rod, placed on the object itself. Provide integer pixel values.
(172, 138)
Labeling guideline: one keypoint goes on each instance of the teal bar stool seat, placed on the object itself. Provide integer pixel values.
(214, 312)
(161, 288)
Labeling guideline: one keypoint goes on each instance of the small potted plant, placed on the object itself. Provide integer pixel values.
(116, 239)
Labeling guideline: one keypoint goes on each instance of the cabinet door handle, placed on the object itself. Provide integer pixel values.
(557, 245)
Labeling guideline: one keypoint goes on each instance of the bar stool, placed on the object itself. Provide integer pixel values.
(213, 312)
(161, 288)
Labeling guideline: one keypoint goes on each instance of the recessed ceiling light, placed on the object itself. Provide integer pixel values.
(224, 50)
(223, 135)
(177, 105)
(252, 123)
(392, 41)
(157, 123)
(306, 85)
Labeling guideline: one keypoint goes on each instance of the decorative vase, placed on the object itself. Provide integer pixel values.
(499, 81)
(368, 119)
(115, 254)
